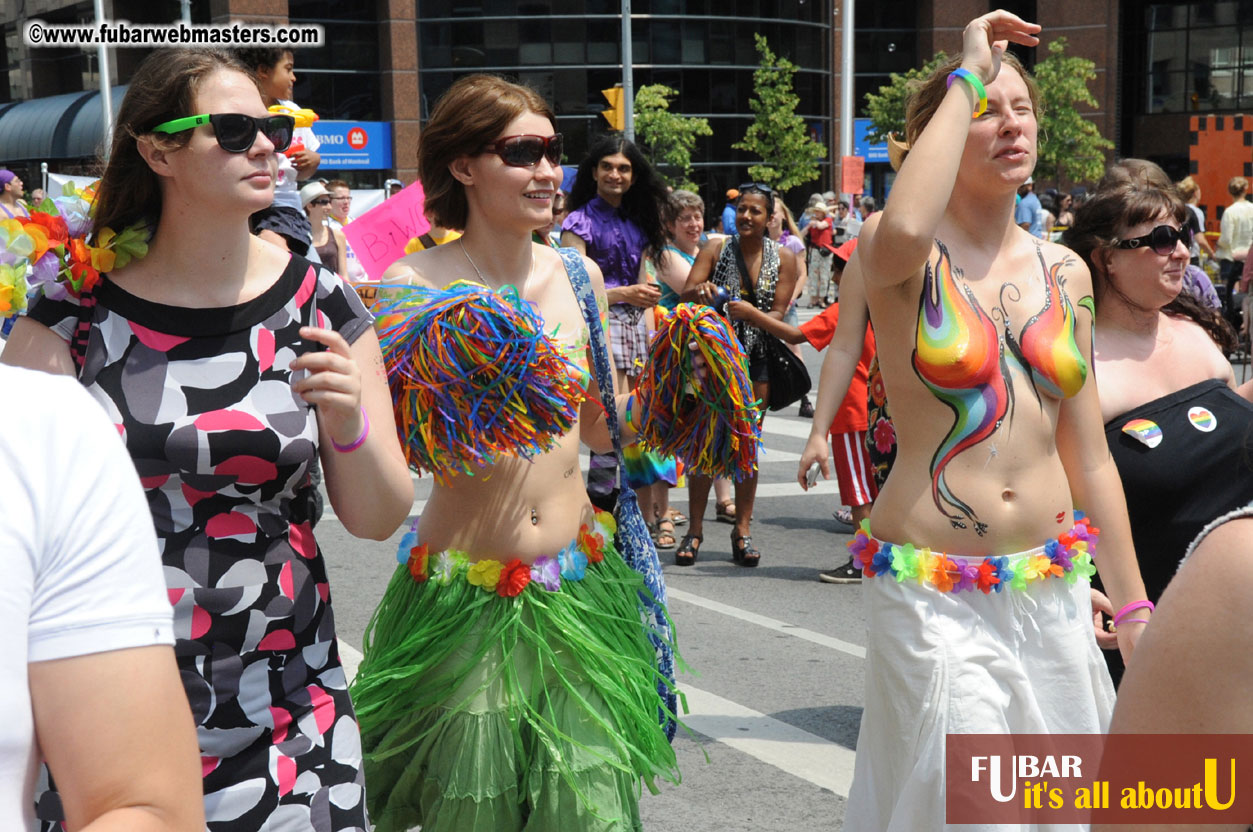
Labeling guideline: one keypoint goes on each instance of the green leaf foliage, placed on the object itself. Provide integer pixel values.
(1069, 145)
(887, 109)
(778, 136)
(667, 138)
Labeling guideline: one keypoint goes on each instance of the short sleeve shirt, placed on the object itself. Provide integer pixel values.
(1030, 212)
(614, 242)
(853, 414)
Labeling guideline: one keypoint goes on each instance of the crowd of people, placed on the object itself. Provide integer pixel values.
(517, 669)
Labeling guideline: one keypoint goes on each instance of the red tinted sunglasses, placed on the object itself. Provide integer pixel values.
(526, 150)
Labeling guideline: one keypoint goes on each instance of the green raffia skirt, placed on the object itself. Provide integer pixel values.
(501, 697)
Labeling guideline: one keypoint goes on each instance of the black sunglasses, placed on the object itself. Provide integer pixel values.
(524, 151)
(237, 132)
(755, 186)
(1161, 239)
(326, 200)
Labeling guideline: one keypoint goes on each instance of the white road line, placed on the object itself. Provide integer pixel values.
(769, 623)
(776, 743)
(786, 427)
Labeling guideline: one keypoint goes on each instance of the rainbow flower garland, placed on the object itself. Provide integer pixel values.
(49, 250)
(1068, 557)
(509, 579)
(473, 377)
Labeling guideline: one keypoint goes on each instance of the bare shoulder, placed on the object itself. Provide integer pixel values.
(413, 268)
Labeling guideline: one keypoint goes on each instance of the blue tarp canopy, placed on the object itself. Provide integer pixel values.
(69, 126)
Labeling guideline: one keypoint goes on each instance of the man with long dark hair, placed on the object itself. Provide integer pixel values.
(615, 219)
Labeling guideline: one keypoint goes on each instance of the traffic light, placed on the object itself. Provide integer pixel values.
(614, 114)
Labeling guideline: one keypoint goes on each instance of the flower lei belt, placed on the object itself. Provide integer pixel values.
(1069, 557)
(509, 579)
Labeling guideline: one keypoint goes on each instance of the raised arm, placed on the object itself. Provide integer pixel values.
(902, 242)
(700, 273)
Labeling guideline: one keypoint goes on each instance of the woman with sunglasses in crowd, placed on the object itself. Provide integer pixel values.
(1176, 428)
(227, 364)
(328, 241)
(755, 268)
(975, 558)
(508, 680)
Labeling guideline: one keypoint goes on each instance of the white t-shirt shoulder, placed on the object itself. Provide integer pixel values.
(286, 188)
(82, 573)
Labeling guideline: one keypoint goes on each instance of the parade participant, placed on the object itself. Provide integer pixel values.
(328, 241)
(11, 195)
(846, 421)
(341, 204)
(284, 223)
(89, 681)
(727, 223)
(508, 682)
(1190, 193)
(615, 219)
(754, 267)
(1175, 426)
(782, 229)
(36, 197)
(985, 356)
(821, 240)
(227, 364)
(1235, 237)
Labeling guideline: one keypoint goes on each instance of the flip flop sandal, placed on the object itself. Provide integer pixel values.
(686, 554)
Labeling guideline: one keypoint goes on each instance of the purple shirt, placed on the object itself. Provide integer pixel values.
(613, 242)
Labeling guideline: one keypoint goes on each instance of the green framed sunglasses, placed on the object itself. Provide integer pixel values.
(236, 132)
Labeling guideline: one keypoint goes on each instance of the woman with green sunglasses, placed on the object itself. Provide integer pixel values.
(228, 365)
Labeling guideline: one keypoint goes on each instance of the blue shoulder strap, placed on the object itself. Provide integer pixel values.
(634, 541)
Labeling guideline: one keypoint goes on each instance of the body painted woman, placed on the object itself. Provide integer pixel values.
(978, 617)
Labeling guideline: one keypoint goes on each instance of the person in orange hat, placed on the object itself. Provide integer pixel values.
(728, 213)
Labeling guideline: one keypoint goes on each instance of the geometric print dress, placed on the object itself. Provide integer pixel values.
(223, 447)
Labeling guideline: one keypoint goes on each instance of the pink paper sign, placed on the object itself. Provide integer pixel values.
(378, 237)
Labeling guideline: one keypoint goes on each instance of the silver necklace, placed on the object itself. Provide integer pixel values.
(484, 280)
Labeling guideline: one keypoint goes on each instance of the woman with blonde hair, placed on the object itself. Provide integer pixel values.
(509, 682)
(976, 555)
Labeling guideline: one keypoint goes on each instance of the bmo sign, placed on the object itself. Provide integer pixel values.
(354, 145)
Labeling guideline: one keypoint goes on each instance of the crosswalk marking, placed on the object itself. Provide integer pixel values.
(855, 650)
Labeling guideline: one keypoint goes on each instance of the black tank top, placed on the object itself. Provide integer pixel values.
(1185, 459)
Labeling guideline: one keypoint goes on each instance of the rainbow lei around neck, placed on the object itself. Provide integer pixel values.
(1068, 557)
(49, 250)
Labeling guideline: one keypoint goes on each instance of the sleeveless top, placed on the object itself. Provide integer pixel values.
(669, 297)
(329, 251)
(727, 275)
(1184, 460)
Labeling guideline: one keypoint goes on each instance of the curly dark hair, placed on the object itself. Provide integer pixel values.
(259, 57)
(643, 200)
(1130, 194)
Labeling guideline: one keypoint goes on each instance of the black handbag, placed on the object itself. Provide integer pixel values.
(786, 373)
(788, 378)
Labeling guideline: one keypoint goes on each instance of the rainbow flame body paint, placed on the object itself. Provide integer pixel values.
(1049, 353)
(959, 357)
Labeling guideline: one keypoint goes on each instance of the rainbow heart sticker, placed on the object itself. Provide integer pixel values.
(1202, 419)
(1145, 431)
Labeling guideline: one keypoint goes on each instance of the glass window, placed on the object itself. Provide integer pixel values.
(694, 43)
(666, 48)
(1166, 92)
(570, 91)
(466, 39)
(1165, 16)
(1168, 50)
(436, 49)
(537, 41)
(569, 39)
(603, 37)
(1225, 13)
(721, 42)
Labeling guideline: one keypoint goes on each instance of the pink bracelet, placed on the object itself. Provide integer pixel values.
(359, 441)
(1132, 607)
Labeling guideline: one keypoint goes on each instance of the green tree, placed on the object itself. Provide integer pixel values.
(778, 136)
(887, 109)
(1069, 145)
(667, 138)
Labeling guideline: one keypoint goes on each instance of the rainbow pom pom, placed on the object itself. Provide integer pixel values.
(473, 377)
(710, 423)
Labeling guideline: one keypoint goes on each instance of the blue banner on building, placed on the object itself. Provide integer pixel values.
(872, 152)
(354, 145)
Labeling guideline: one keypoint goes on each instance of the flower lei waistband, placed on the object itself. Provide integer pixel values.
(1068, 557)
(510, 579)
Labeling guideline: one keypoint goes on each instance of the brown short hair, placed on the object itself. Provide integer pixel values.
(679, 201)
(925, 98)
(337, 183)
(467, 117)
(1237, 186)
(163, 88)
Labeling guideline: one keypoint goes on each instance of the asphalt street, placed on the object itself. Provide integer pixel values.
(774, 692)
